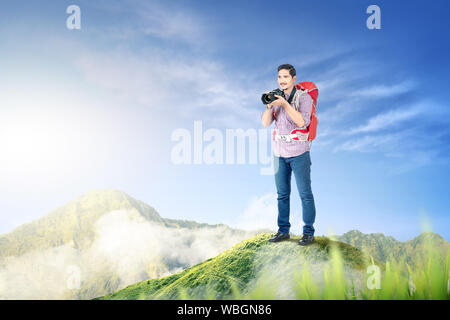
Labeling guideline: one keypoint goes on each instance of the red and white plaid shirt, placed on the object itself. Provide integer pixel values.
(284, 125)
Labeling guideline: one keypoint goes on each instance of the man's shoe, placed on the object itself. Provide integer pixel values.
(306, 239)
(279, 236)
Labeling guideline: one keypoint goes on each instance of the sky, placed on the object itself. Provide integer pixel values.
(101, 107)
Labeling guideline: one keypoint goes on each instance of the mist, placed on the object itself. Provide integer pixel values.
(279, 268)
(127, 249)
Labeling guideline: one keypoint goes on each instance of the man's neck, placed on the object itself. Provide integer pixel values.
(288, 90)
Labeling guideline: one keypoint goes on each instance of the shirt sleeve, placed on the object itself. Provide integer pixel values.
(305, 107)
(271, 114)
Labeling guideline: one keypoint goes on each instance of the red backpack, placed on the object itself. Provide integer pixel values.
(312, 90)
(314, 93)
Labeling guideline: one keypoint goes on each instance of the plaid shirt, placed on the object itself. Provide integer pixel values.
(284, 125)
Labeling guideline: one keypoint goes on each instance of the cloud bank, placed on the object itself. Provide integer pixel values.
(127, 249)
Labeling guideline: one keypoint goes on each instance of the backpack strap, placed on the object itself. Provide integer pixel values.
(301, 91)
(291, 96)
(289, 100)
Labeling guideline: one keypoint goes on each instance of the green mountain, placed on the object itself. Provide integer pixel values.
(106, 239)
(73, 223)
(245, 265)
(385, 248)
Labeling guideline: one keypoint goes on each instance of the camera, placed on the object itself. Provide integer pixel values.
(270, 97)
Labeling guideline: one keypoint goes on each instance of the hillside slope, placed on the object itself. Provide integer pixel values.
(244, 265)
(107, 240)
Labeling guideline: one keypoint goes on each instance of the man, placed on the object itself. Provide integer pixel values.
(291, 155)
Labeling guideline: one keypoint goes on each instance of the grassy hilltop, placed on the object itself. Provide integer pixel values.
(237, 270)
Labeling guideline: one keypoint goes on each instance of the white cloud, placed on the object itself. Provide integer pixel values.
(173, 83)
(396, 131)
(262, 213)
(405, 150)
(411, 159)
(382, 90)
(343, 109)
(159, 20)
(185, 81)
(339, 81)
(388, 119)
(367, 143)
(126, 246)
(170, 22)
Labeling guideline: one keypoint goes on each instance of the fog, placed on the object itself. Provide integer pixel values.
(279, 268)
(127, 249)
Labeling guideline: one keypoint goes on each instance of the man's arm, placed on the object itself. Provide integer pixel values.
(302, 117)
(267, 117)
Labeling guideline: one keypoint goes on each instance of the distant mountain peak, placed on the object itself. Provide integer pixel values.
(428, 236)
(74, 222)
(384, 247)
(353, 232)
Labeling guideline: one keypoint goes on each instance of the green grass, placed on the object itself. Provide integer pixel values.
(429, 280)
(242, 273)
(232, 273)
(398, 281)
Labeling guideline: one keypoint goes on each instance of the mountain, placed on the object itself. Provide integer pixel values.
(73, 223)
(105, 240)
(385, 248)
(246, 264)
(102, 241)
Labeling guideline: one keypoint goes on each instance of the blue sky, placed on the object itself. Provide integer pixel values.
(95, 108)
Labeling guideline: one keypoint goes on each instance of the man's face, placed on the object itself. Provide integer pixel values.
(285, 81)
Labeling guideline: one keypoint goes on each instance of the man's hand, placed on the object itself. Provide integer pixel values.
(281, 101)
(295, 115)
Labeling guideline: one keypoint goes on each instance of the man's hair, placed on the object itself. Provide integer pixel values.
(288, 67)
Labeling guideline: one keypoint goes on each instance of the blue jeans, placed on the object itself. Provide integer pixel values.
(301, 165)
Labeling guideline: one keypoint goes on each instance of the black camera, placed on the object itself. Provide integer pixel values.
(270, 97)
